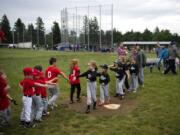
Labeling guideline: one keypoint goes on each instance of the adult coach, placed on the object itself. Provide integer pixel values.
(141, 62)
(172, 51)
(51, 73)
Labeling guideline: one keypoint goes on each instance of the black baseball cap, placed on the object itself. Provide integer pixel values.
(104, 66)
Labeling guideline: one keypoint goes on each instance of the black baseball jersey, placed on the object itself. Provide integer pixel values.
(104, 78)
(120, 71)
(133, 69)
(90, 75)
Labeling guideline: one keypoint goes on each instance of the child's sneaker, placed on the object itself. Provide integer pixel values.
(39, 121)
(21, 124)
(71, 102)
(94, 106)
(88, 109)
(117, 95)
(55, 105)
(129, 90)
(100, 104)
(29, 125)
(134, 91)
(122, 97)
(78, 100)
(46, 114)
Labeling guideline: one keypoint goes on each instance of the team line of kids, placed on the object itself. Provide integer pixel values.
(35, 83)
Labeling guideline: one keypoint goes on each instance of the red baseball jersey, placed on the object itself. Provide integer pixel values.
(28, 86)
(37, 88)
(43, 81)
(4, 101)
(73, 75)
(52, 72)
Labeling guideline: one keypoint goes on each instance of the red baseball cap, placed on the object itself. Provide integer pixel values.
(27, 71)
(36, 72)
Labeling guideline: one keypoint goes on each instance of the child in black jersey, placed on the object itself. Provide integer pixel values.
(91, 75)
(134, 75)
(119, 69)
(104, 80)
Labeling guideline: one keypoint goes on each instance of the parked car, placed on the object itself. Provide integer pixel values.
(11, 46)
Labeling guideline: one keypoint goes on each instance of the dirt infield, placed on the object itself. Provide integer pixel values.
(126, 106)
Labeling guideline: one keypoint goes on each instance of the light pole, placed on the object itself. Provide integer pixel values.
(100, 44)
(112, 26)
(13, 35)
(88, 28)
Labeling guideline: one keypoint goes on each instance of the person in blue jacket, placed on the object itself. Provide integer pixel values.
(164, 56)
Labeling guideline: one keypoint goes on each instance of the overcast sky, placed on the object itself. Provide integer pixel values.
(128, 14)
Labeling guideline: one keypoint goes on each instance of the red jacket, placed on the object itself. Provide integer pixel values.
(4, 101)
(75, 71)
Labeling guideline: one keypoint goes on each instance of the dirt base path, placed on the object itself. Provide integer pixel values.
(126, 106)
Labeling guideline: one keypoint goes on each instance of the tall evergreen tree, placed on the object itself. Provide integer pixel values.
(5, 27)
(31, 34)
(56, 33)
(40, 32)
(19, 31)
(85, 29)
(147, 35)
(94, 31)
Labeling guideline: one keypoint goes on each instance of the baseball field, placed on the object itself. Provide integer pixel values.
(153, 110)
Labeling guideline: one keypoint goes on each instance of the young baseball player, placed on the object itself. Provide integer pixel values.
(118, 68)
(91, 75)
(37, 99)
(37, 106)
(104, 80)
(41, 79)
(52, 72)
(74, 80)
(134, 75)
(27, 86)
(5, 98)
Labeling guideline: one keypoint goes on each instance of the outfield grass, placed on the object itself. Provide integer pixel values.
(157, 111)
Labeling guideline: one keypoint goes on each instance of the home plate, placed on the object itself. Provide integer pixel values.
(112, 106)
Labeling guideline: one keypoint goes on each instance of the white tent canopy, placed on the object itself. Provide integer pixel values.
(146, 42)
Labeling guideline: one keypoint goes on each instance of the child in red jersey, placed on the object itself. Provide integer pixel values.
(27, 86)
(74, 80)
(41, 79)
(52, 72)
(5, 98)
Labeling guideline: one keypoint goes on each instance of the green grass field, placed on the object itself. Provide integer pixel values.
(157, 111)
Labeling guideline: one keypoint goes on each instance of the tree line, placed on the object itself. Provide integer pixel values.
(30, 33)
(35, 33)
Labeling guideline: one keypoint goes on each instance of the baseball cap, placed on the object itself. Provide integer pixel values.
(28, 71)
(36, 72)
(104, 66)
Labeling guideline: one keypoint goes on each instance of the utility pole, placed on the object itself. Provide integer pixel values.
(112, 44)
(88, 28)
(76, 27)
(52, 38)
(100, 44)
(45, 38)
(23, 35)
